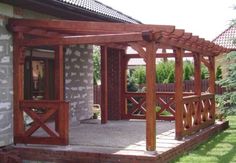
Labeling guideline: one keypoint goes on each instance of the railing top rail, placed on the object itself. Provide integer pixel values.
(159, 93)
(42, 101)
(198, 97)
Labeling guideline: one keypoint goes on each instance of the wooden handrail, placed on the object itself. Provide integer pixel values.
(41, 111)
(158, 93)
(40, 103)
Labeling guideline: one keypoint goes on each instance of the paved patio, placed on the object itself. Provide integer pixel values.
(117, 141)
(125, 134)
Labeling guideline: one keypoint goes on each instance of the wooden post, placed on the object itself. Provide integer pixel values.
(59, 73)
(104, 86)
(18, 87)
(197, 85)
(212, 83)
(124, 64)
(151, 97)
(179, 93)
(59, 83)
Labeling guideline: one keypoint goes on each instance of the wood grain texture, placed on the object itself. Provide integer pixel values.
(151, 97)
(179, 93)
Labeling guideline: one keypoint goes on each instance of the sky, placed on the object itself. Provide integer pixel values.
(205, 18)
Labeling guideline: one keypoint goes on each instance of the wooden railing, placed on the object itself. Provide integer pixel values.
(136, 109)
(198, 113)
(49, 122)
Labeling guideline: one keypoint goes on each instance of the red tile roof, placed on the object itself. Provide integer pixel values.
(227, 38)
(100, 9)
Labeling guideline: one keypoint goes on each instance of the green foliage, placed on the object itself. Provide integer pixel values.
(218, 73)
(139, 75)
(187, 73)
(96, 65)
(204, 72)
(131, 85)
(227, 101)
(163, 70)
(171, 77)
(189, 64)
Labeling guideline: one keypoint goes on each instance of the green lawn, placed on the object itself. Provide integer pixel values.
(219, 149)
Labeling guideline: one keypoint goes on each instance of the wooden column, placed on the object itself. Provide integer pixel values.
(59, 81)
(59, 73)
(197, 84)
(212, 82)
(151, 97)
(179, 93)
(104, 86)
(124, 64)
(18, 87)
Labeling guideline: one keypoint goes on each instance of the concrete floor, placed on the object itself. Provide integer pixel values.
(125, 134)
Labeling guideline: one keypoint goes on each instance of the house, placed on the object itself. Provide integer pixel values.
(78, 59)
(227, 40)
(52, 56)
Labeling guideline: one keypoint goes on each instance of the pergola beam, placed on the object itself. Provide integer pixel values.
(37, 32)
(160, 55)
(183, 45)
(82, 32)
(86, 26)
(88, 39)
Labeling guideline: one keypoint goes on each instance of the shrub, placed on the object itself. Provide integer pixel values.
(218, 73)
(227, 101)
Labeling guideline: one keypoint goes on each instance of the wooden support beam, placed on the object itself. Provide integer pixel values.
(18, 85)
(86, 26)
(205, 62)
(124, 64)
(179, 93)
(139, 48)
(151, 96)
(197, 74)
(159, 55)
(37, 32)
(59, 80)
(212, 75)
(59, 73)
(212, 79)
(179, 44)
(86, 39)
(197, 85)
(104, 85)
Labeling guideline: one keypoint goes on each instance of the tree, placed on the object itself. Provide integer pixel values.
(187, 73)
(131, 84)
(96, 65)
(218, 73)
(171, 77)
(139, 75)
(163, 69)
(227, 101)
(204, 72)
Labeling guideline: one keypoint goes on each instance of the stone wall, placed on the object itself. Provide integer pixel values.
(79, 81)
(6, 85)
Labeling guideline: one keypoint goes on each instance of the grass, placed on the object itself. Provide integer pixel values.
(219, 149)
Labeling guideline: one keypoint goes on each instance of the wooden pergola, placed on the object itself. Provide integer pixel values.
(193, 111)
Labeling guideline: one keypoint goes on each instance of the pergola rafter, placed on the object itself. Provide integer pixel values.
(78, 32)
(145, 39)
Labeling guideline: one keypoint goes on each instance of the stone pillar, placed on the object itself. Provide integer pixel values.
(6, 86)
(79, 81)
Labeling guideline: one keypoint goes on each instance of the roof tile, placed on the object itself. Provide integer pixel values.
(100, 8)
(227, 38)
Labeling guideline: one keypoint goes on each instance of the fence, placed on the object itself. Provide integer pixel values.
(188, 86)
